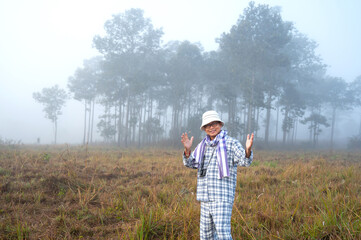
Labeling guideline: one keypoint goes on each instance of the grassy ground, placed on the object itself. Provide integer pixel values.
(107, 193)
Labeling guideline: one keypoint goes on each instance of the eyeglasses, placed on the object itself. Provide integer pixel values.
(212, 124)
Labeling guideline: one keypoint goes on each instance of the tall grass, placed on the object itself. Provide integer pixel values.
(109, 193)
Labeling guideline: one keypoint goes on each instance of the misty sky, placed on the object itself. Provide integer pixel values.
(43, 42)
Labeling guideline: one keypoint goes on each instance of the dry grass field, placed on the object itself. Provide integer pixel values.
(108, 193)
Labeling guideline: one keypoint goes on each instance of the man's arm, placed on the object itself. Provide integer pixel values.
(243, 157)
(188, 159)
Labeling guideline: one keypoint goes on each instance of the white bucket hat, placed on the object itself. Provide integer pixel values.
(210, 116)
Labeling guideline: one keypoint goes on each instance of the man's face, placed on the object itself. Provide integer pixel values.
(212, 129)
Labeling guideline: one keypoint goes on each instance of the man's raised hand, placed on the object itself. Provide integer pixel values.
(249, 144)
(187, 143)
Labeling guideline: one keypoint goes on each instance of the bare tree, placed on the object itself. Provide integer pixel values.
(53, 99)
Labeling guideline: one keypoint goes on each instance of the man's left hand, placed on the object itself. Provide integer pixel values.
(249, 144)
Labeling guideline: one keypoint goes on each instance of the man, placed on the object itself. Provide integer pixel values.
(216, 157)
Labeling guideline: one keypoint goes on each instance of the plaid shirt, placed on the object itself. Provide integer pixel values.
(209, 187)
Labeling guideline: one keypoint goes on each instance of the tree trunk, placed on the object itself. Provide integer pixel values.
(175, 129)
(245, 122)
(150, 108)
(56, 129)
(315, 128)
(140, 124)
(84, 137)
(250, 105)
(144, 135)
(278, 111)
(119, 122)
(333, 125)
(115, 122)
(231, 115)
(133, 113)
(249, 118)
(182, 116)
(89, 118)
(92, 121)
(189, 108)
(293, 131)
(268, 117)
(256, 134)
(285, 130)
(127, 121)
(240, 118)
(173, 117)
(295, 127)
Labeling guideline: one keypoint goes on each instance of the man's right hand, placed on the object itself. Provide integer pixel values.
(187, 143)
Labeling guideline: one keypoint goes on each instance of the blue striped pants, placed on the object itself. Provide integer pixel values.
(216, 220)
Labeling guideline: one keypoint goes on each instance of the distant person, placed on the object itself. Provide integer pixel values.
(216, 157)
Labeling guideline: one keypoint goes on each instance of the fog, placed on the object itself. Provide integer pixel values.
(43, 43)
